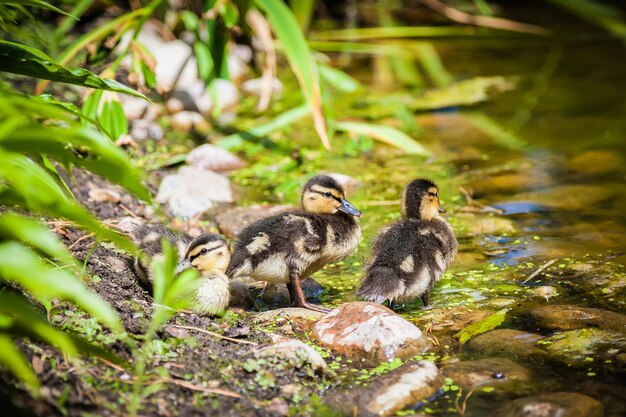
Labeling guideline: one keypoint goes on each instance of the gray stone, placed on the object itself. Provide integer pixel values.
(254, 86)
(214, 158)
(556, 404)
(186, 121)
(487, 224)
(192, 191)
(300, 317)
(240, 295)
(231, 222)
(292, 352)
(389, 393)
(514, 342)
(499, 373)
(570, 317)
(369, 333)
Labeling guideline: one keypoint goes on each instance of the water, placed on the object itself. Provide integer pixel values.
(564, 195)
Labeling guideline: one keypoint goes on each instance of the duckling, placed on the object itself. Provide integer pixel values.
(208, 253)
(409, 256)
(296, 243)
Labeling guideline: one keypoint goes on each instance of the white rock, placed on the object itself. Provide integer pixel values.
(293, 350)
(192, 191)
(212, 157)
(188, 120)
(254, 86)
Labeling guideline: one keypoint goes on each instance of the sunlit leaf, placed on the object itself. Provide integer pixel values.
(386, 134)
(339, 79)
(21, 265)
(34, 234)
(12, 358)
(482, 326)
(299, 56)
(25, 60)
(36, 3)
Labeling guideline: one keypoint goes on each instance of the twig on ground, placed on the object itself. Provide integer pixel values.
(129, 212)
(80, 239)
(219, 336)
(189, 385)
(484, 21)
(461, 408)
(538, 271)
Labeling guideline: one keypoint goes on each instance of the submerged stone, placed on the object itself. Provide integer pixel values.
(389, 393)
(569, 317)
(596, 163)
(514, 342)
(301, 317)
(509, 183)
(556, 404)
(231, 222)
(573, 347)
(487, 225)
(499, 373)
(569, 197)
(370, 333)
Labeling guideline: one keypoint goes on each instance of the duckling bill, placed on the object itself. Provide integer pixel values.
(294, 244)
(413, 253)
(208, 253)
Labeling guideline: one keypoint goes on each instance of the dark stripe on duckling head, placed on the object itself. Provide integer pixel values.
(413, 197)
(326, 182)
(195, 247)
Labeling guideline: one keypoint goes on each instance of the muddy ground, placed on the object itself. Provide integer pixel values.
(187, 376)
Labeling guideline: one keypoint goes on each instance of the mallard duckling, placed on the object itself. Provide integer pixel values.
(409, 256)
(208, 253)
(296, 243)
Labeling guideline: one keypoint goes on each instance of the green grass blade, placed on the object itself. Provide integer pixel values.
(386, 134)
(12, 358)
(37, 3)
(482, 326)
(300, 59)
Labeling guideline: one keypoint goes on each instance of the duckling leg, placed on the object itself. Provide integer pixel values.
(297, 295)
(426, 298)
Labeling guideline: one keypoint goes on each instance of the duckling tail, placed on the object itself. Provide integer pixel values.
(381, 283)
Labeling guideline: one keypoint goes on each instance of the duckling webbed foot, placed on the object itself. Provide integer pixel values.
(297, 295)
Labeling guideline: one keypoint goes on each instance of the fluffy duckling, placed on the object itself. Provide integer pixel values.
(294, 244)
(409, 256)
(208, 253)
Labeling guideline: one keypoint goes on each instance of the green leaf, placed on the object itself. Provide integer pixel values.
(17, 227)
(29, 319)
(482, 326)
(32, 188)
(36, 3)
(25, 60)
(230, 14)
(339, 79)
(12, 358)
(300, 59)
(204, 60)
(21, 265)
(385, 134)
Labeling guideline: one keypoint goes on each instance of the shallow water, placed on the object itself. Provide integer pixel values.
(562, 198)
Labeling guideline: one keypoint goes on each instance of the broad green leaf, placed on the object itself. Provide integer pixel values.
(32, 188)
(12, 358)
(28, 231)
(204, 60)
(25, 60)
(300, 59)
(385, 134)
(482, 326)
(21, 265)
(25, 316)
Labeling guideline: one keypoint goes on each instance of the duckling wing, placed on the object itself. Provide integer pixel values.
(287, 238)
(150, 237)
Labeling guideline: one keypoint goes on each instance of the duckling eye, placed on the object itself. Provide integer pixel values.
(203, 251)
(328, 195)
(432, 194)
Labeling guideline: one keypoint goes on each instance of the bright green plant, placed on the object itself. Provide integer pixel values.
(37, 135)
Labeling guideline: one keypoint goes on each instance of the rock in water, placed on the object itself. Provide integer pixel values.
(292, 352)
(556, 404)
(570, 317)
(192, 191)
(499, 373)
(233, 221)
(389, 393)
(216, 159)
(515, 342)
(370, 333)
